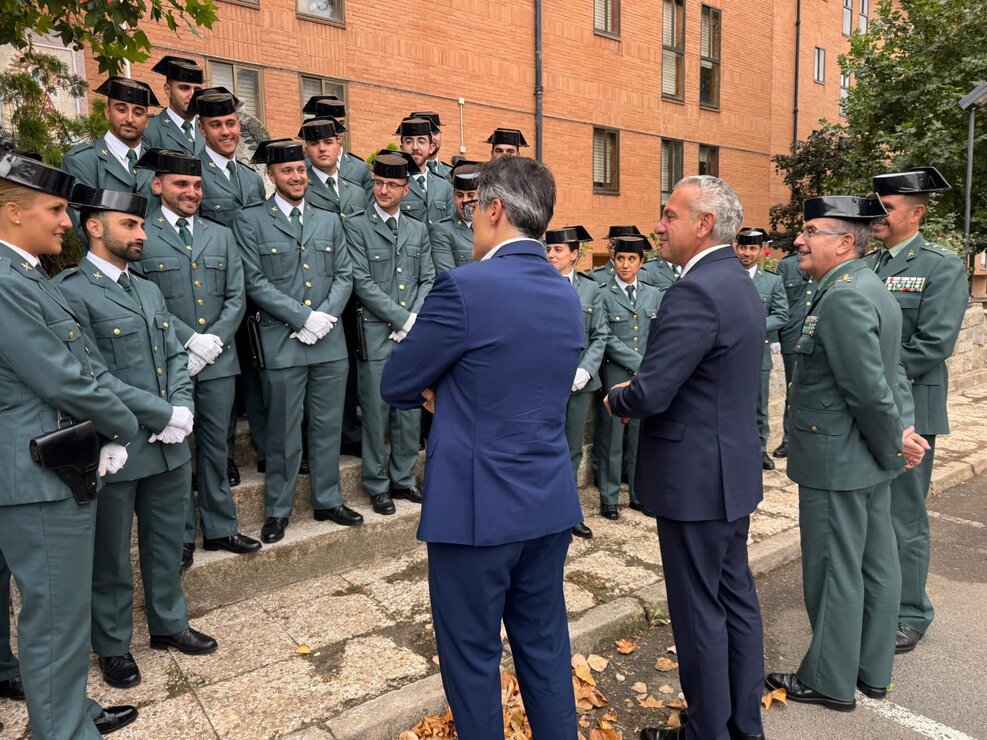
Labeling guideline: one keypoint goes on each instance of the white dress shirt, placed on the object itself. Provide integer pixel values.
(179, 121)
(494, 251)
(109, 269)
(119, 149)
(220, 161)
(286, 207)
(385, 215)
(31, 259)
(691, 263)
(173, 217)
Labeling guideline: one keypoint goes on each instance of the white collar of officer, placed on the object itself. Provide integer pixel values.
(752, 271)
(219, 160)
(109, 269)
(173, 217)
(286, 207)
(119, 148)
(623, 285)
(324, 178)
(179, 121)
(31, 259)
(384, 215)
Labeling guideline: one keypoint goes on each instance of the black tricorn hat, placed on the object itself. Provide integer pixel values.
(170, 162)
(918, 180)
(429, 115)
(180, 69)
(508, 137)
(843, 207)
(317, 129)
(413, 168)
(616, 231)
(25, 170)
(277, 151)
(128, 90)
(414, 127)
(568, 235)
(213, 102)
(753, 236)
(86, 198)
(463, 175)
(393, 164)
(325, 106)
(632, 243)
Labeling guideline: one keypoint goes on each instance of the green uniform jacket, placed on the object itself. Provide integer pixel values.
(657, 272)
(141, 350)
(356, 171)
(45, 367)
(845, 404)
(799, 290)
(772, 291)
(929, 282)
(351, 198)
(391, 277)
(441, 169)
(628, 328)
(94, 165)
(432, 206)
(221, 199)
(288, 280)
(595, 331)
(202, 287)
(603, 274)
(452, 243)
(162, 133)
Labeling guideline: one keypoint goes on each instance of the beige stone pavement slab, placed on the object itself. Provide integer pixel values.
(331, 619)
(175, 719)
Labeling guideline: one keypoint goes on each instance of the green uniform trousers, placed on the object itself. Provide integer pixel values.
(911, 529)
(213, 403)
(852, 583)
(379, 472)
(160, 502)
(576, 413)
(763, 425)
(9, 666)
(789, 359)
(48, 546)
(318, 391)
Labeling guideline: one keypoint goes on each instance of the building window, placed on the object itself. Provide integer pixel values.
(671, 167)
(847, 17)
(844, 86)
(244, 82)
(606, 161)
(709, 160)
(709, 62)
(819, 66)
(606, 17)
(864, 12)
(327, 10)
(322, 86)
(673, 49)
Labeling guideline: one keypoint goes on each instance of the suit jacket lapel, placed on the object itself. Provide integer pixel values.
(381, 228)
(175, 133)
(113, 167)
(621, 295)
(112, 290)
(217, 177)
(201, 237)
(309, 223)
(280, 221)
(167, 233)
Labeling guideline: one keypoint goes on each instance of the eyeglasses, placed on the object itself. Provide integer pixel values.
(387, 185)
(810, 231)
(469, 208)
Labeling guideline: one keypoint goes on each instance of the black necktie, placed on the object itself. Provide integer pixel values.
(124, 282)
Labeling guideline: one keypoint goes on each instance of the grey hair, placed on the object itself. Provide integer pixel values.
(717, 197)
(525, 188)
(860, 231)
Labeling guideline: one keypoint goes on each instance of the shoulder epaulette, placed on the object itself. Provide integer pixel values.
(938, 249)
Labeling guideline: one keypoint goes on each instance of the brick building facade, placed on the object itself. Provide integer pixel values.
(623, 83)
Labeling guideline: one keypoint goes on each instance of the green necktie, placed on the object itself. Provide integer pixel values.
(630, 294)
(392, 224)
(187, 129)
(296, 222)
(331, 184)
(421, 182)
(184, 234)
(132, 161)
(433, 166)
(883, 259)
(128, 287)
(234, 177)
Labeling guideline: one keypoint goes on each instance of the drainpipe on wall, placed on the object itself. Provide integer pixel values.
(798, 53)
(539, 88)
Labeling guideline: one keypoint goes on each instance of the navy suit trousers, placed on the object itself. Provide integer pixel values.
(716, 622)
(471, 589)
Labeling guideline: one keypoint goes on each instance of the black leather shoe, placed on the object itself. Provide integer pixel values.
(737, 736)
(188, 550)
(581, 530)
(906, 639)
(232, 472)
(766, 462)
(413, 494)
(188, 641)
(273, 529)
(781, 450)
(12, 688)
(112, 719)
(655, 733)
(638, 506)
(340, 514)
(382, 504)
(872, 691)
(609, 511)
(120, 671)
(303, 468)
(235, 543)
(261, 466)
(799, 692)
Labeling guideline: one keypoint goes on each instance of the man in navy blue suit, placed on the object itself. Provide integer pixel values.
(493, 352)
(698, 463)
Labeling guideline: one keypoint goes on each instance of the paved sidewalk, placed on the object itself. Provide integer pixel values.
(315, 659)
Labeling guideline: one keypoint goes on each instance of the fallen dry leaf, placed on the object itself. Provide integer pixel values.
(650, 702)
(666, 689)
(609, 716)
(303, 650)
(583, 674)
(408, 735)
(583, 722)
(605, 734)
(674, 721)
(598, 663)
(665, 665)
(771, 697)
(676, 704)
(639, 688)
(625, 647)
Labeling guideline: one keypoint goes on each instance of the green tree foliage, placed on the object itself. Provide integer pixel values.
(110, 28)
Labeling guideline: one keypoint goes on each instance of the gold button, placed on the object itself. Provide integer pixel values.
(160, 266)
(165, 324)
(274, 251)
(303, 249)
(403, 303)
(808, 292)
(635, 328)
(71, 335)
(220, 265)
(215, 208)
(635, 339)
(308, 284)
(197, 284)
(401, 287)
(78, 325)
(116, 332)
(308, 302)
(160, 371)
(814, 428)
(155, 349)
(195, 266)
(898, 454)
(808, 303)
(200, 302)
(400, 269)
(162, 392)
(798, 348)
(635, 318)
(636, 349)
(202, 322)
(328, 249)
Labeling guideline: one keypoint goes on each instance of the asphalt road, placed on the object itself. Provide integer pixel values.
(937, 690)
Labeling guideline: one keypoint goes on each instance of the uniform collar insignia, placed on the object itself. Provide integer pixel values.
(911, 252)
(161, 220)
(213, 165)
(98, 275)
(26, 265)
(104, 152)
(846, 277)
(274, 209)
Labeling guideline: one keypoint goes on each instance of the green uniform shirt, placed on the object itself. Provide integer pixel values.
(221, 197)
(659, 273)
(163, 133)
(452, 243)
(431, 205)
(799, 290)
(772, 291)
(628, 325)
(349, 200)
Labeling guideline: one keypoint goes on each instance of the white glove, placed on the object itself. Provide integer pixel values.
(111, 458)
(319, 323)
(195, 364)
(181, 418)
(169, 435)
(206, 346)
(401, 333)
(581, 379)
(776, 348)
(304, 336)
